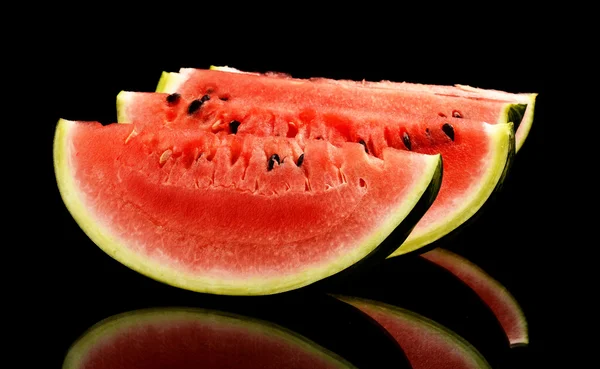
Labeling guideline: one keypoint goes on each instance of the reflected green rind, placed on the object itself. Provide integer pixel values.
(112, 326)
(445, 259)
(426, 323)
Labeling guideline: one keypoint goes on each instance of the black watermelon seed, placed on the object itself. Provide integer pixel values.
(300, 160)
(456, 114)
(223, 98)
(205, 98)
(406, 140)
(274, 158)
(233, 126)
(173, 98)
(448, 130)
(194, 106)
(362, 142)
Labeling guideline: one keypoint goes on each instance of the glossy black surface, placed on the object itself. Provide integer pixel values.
(79, 285)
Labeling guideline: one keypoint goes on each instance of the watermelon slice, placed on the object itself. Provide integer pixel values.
(488, 105)
(504, 306)
(522, 120)
(477, 155)
(427, 344)
(194, 338)
(237, 214)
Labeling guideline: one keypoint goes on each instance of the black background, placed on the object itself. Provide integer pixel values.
(80, 285)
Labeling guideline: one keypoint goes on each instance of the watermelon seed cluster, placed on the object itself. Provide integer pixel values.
(234, 125)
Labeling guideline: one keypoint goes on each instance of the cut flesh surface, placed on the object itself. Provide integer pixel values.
(476, 154)
(427, 344)
(504, 306)
(237, 214)
(194, 338)
(274, 90)
(488, 98)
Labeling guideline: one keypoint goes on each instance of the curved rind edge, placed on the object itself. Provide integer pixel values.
(443, 258)
(113, 324)
(510, 160)
(501, 136)
(526, 122)
(402, 231)
(243, 286)
(414, 317)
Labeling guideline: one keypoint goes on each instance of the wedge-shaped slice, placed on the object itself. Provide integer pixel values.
(504, 306)
(427, 344)
(194, 338)
(468, 102)
(487, 109)
(476, 155)
(237, 214)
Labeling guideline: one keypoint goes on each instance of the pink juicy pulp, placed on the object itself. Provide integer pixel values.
(235, 221)
(319, 93)
(464, 158)
(425, 347)
(197, 344)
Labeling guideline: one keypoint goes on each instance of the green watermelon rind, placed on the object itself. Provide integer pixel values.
(112, 326)
(169, 82)
(424, 188)
(397, 312)
(526, 121)
(473, 219)
(122, 99)
(502, 142)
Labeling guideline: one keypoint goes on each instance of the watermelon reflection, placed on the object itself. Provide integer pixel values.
(427, 344)
(194, 338)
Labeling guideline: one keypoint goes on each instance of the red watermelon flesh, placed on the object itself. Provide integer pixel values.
(217, 213)
(476, 154)
(504, 306)
(274, 91)
(427, 344)
(486, 108)
(194, 338)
